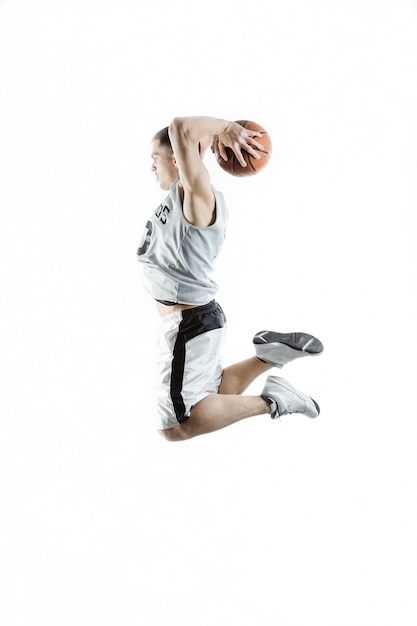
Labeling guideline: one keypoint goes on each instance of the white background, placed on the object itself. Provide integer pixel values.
(298, 523)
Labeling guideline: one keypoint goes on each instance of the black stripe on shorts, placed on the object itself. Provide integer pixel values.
(195, 322)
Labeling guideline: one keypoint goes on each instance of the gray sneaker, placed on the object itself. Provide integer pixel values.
(277, 349)
(284, 399)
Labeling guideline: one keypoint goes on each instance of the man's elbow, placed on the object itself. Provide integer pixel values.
(179, 128)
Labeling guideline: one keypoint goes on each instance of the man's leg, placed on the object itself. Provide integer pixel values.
(228, 406)
(219, 410)
(215, 412)
(237, 378)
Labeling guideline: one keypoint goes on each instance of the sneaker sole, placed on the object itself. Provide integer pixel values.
(301, 342)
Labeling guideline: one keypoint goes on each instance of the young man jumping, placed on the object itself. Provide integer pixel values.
(196, 395)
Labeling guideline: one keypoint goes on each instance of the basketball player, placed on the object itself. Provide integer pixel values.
(181, 241)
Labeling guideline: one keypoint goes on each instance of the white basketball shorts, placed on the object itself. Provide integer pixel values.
(190, 361)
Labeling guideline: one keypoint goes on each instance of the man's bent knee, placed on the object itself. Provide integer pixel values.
(177, 433)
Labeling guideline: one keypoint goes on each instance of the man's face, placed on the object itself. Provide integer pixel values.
(163, 166)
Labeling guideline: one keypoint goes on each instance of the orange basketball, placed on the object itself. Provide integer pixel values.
(253, 166)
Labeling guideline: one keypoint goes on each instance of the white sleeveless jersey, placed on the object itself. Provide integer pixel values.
(178, 257)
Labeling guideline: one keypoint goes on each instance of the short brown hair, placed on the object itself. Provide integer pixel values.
(163, 137)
